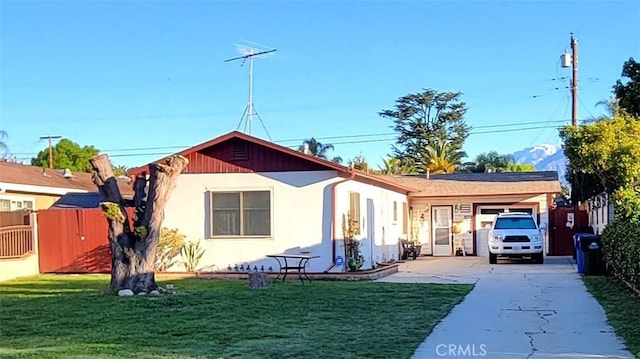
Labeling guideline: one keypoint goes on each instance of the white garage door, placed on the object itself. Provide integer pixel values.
(484, 218)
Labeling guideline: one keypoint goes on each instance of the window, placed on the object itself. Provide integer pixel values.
(515, 223)
(246, 213)
(11, 203)
(491, 210)
(354, 208)
(395, 211)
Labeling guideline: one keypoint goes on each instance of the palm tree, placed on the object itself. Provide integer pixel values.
(4, 148)
(491, 162)
(318, 149)
(442, 157)
(120, 170)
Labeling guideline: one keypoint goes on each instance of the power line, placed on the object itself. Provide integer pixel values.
(369, 140)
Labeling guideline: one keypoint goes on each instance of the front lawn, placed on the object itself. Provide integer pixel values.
(622, 308)
(73, 316)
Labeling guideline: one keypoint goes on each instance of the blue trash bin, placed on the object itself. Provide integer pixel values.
(578, 250)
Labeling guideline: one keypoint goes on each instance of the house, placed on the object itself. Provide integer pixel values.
(24, 187)
(245, 198)
(458, 207)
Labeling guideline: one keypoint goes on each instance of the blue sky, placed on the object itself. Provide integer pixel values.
(138, 79)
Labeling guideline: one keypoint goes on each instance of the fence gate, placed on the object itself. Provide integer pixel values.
(73, 241)
(563, 223)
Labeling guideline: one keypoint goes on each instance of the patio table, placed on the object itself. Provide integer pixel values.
(298, 265)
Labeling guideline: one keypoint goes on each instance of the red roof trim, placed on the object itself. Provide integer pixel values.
(342, 170)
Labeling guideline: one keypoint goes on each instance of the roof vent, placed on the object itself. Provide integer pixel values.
(67, 173)
(240, 151)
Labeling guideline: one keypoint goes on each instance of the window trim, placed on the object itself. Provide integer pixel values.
(209, 216)
(22, 199)
(358, 210)
(395, 212)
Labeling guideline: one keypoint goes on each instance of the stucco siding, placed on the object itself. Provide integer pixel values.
(301, 209)
(423, 206)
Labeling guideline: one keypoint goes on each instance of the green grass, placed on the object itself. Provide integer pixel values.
(75, 317)
(622, 308)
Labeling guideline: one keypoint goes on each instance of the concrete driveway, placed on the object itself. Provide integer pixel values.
(516, 310)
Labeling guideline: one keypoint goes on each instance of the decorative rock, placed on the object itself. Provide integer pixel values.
(142, 293)
(125, 292)
(154, 293)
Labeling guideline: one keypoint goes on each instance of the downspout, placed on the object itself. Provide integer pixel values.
(352, 175)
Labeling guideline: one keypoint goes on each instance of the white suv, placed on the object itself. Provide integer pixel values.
(515, 235)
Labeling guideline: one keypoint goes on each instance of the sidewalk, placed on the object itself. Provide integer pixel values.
(516, 310)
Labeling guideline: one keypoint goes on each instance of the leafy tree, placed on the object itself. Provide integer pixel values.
(442, 157)
(420, 119)
(493, 161)
(4, 148)
(628, 94)
(67, 154)
(318, 149)
(359, 162)
(120, 170)
(394, 166)
(520, 167)
(603, 156)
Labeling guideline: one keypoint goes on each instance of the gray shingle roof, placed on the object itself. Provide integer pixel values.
(471, 184)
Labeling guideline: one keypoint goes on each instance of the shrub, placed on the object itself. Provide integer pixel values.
(191, 253)
(621, 250)
(169, 245)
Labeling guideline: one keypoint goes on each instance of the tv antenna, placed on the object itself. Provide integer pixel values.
(248, 53)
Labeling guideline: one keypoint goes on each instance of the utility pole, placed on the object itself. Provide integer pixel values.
(50, 147)
(571, 60)
(574, 81)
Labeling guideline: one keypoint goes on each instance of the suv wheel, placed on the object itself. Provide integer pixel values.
(493, 258)
(538, 258)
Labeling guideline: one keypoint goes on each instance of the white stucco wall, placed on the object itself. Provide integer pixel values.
(379, 232)
(301, 218)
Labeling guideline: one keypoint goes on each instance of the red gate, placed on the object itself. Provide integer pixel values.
(560, 234)
(73, 241)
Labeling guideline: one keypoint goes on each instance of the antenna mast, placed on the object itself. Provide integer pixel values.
(250, 109)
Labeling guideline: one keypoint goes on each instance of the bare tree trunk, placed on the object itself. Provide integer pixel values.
(133, 250)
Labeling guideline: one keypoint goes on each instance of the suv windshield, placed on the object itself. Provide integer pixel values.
(515, 223)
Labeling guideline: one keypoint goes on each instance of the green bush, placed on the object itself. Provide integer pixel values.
(169, 245)
(627, 204)
(621, 250)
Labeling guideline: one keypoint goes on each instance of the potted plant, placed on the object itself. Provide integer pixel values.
(354, 258)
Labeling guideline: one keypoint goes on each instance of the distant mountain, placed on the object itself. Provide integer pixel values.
(545, 157)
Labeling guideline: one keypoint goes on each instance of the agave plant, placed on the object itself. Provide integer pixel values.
(191, 254)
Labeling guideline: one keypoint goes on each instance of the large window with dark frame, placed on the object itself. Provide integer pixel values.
(241, 213)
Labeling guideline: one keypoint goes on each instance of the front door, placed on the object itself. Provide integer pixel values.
(441, 230)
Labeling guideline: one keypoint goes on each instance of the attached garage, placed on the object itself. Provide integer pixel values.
(484, 215)
(449, 213)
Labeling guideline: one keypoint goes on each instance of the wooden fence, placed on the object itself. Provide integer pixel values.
(16, 218)
(16, 241)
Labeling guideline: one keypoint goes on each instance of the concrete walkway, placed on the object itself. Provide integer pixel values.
(516, 310)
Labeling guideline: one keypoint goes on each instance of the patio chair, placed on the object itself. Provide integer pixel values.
(458, 245)
(408, 249)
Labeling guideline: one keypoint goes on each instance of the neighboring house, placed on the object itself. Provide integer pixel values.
(245, 198)
(24, 187)
(468, 202)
